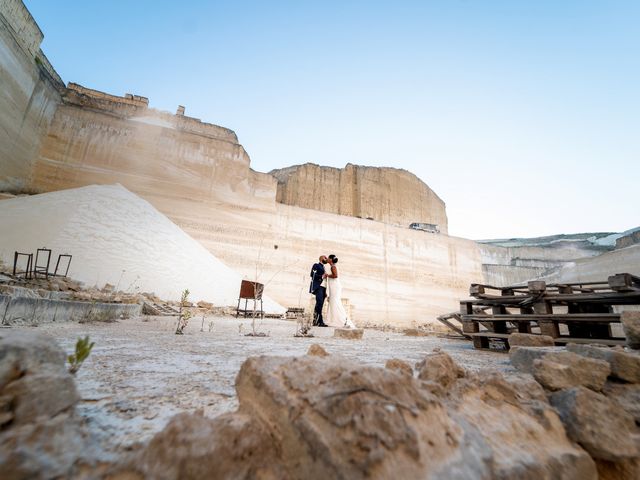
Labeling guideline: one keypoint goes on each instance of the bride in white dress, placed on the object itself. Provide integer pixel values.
(336, 315)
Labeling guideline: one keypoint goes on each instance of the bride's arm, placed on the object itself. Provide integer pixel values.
(334, 272)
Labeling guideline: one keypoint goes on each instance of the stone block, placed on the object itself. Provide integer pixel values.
(44, 394)
(625, 366)
(317, 350)
(530, 340)
(522, 357)
(399, 366)
(415, 332)
(440, 368)
(631, 326)
(625, 469)
(627, 395)
(566, 369)
(596, 423)
(23, 352)
(349, 333)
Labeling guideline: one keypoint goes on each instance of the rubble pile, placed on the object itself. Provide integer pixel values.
(323, 416)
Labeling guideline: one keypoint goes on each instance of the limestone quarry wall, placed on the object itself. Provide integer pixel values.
(390, 275)
(596, 269)
(100, 138)
(503, 266)
(387, 195)
(29, 95)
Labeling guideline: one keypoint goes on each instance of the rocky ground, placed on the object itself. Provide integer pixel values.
(219, 404)
(140, 373)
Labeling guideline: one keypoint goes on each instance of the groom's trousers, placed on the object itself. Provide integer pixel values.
(321, 294)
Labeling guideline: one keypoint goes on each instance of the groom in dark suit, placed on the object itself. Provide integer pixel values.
(317, 289)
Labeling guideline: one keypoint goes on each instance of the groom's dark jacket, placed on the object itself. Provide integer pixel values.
(317, 271)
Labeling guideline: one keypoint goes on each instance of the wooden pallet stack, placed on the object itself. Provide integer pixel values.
(568, 312)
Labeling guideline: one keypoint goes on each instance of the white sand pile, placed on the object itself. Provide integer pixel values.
(118, 238)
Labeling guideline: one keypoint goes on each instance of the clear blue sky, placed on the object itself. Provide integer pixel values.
(524, 116)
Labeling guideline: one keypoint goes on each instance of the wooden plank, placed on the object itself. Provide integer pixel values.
(613, 298)
(599, 341)
(542, 308)
(565, 289)
(560, 317)
(483, 341)
(444, 319)
(549, 327)
(624, 282)
(469, 326)
(466, 307)
(476, 289)
(491, 334)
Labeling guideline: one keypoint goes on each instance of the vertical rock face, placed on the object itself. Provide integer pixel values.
(100, 138)
(28, 94)
(387, 195)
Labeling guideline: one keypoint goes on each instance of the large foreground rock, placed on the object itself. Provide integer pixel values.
(626, 395)
(558, 371)
(40, 437)
(624, 366)
(522, 358)
(195, 447)
(631, 326)
(525, 435)
(329, 417)
(440, 368)
(598, 424)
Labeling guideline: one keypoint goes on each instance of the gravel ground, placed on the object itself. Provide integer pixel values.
(140, 373)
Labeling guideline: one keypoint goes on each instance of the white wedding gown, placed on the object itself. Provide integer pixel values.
(336, 315)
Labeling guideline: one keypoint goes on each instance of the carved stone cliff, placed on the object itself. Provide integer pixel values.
(29, 95)
(99, 138)
(388, 195)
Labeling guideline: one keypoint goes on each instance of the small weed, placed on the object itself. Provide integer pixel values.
(83, 349)
(184, 315)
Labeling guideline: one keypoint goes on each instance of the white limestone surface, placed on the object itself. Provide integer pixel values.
(596, 269)
(118, 238)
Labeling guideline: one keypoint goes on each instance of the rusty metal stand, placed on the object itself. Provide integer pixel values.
(28, 270)
(63, 255)
(42, 269)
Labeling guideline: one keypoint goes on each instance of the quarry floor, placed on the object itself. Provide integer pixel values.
(140, 373)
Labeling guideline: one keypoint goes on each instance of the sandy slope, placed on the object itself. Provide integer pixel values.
(118, 238)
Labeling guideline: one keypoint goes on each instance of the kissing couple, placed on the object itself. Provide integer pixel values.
(325, 284)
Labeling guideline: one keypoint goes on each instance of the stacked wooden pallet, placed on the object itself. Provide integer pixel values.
(568, 312)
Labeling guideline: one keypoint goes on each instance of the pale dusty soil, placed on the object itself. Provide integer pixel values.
(140, 373)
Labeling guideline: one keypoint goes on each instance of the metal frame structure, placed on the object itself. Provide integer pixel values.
(63, 255)
(250, 291)
(42, 269)
(28, 270)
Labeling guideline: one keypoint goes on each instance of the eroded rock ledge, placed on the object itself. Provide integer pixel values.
(383, 194)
